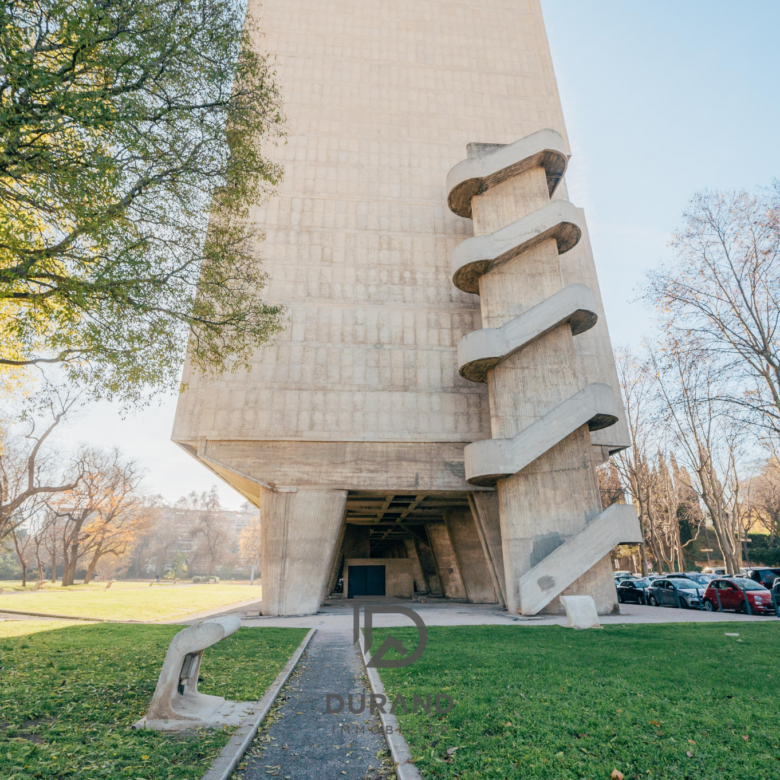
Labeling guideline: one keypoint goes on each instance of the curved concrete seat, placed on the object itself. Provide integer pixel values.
(475, 256)
(176, 704)
(489, 460)
(545, 149)
(482, 350)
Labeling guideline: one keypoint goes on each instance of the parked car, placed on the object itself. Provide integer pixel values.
(633, 591)
(718, 571)
(776, 592)
(622, 575)
(699, 578)
(732, 593)
(674, 592)
(764, 576)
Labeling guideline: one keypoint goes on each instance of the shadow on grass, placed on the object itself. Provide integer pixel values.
(70, 696)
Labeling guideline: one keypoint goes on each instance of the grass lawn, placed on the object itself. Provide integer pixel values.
(652, 701)
(72, 692)
(128, 603)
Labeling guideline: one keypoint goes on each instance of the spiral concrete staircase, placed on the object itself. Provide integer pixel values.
(555, 534)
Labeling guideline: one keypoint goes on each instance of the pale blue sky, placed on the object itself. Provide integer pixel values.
(662, 99)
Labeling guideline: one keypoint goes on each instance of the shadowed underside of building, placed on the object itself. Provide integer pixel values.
(431, 418)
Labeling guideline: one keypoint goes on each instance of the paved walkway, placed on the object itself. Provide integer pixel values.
(338, 615)
(303, 742)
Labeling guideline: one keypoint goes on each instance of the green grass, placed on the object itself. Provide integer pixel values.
(549, 702)
(128, 603)
(71, 694)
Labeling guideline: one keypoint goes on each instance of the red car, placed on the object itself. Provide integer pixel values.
(731, 594)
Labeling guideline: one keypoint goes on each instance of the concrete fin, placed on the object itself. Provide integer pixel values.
(545, 149)
(489, 460)
(481, 350)
(617, 524)
(474, 257)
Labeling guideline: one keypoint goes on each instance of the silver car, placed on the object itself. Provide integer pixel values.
(675, 592)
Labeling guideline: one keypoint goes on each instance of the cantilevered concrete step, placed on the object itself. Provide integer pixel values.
(545, 149)
(482, 350)
(475, 256)
(489, 460)
(616, 525)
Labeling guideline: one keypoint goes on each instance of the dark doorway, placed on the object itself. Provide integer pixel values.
(366, 581)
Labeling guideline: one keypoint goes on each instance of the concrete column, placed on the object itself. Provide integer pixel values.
(299, 534)
(484, 508)
(473, 565)
(417, 571)
(557, 495)
(446, 561)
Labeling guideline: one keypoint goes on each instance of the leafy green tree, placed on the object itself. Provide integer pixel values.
(132, 146)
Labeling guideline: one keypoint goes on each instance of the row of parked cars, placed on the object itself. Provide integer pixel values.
(755, 591)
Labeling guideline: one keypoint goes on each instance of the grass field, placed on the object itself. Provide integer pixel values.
(128, 601)
(653, 702)
(72, 692)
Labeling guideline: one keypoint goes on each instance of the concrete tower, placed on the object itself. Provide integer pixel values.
(431, 417)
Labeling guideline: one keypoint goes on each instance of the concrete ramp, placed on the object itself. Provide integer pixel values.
(616, 525)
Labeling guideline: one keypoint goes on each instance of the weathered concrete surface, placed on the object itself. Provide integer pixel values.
(446, 561)
(482, 350)
(490, 164)
(489, 460)
(472, 563)
(580, 612)
(399, 574)
(305, 742)
(555, 494)
(176, 704)
(298, 536)
(618, 524)
(558, 220)
(417, 572)
(361, 391)
(484, 508)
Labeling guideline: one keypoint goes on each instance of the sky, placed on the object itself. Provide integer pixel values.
(662, 99)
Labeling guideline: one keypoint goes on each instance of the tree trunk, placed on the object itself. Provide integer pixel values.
(65, 565)
(643, 559)
(91, 568)
(24, 574)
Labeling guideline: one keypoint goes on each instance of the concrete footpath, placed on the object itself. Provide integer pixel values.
(338, 615)
(300, 741)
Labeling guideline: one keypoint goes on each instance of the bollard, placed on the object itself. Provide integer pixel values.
(701, 600)
(748, 608)
(774, 603)
(677, 594)
(720, 606)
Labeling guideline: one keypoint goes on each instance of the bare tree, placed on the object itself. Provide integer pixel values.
(26, 468)
(723, 293)
(22, 540)
(212, 534)
(250, 544)
(709, 441)
(764, 490)
(92, 516)
(633, 464)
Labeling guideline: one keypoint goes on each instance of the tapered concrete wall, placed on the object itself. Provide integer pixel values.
(382, 97)
(417, 572)
(472, 564)
(446, 561)
(361, 391)
(299, 532)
